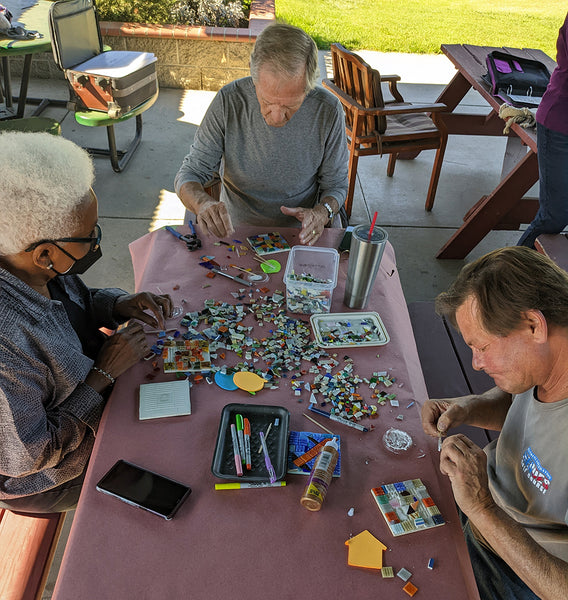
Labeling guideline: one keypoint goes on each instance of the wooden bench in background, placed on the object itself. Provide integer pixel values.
(27, 546)
(446, 363)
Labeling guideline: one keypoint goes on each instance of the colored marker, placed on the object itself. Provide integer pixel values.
(233, 277)
(248, 458)
(238, 462)
(240, 436)
(267, 462)
(338, 419)
(246, 486)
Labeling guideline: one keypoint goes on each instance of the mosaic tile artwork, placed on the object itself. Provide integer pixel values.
(186, 356)
(268, 243)
(407, 507)
(304, 447)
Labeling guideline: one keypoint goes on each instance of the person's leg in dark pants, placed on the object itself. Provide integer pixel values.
(495, 579)
(552, 215)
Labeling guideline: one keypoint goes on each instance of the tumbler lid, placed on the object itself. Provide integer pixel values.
(378, 235)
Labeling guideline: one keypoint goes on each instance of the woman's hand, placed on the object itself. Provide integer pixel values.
(119, 352)
(134, 306)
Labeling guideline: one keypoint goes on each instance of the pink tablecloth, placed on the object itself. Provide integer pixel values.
(257, 544)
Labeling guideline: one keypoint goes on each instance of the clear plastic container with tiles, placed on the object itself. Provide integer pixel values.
(310, 278)
(407, 507)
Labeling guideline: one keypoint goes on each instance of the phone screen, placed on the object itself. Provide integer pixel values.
(145, 489)
(345, 243)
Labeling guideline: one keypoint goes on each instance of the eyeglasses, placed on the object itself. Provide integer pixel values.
(94, 241)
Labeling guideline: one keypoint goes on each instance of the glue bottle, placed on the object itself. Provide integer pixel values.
(320, 477)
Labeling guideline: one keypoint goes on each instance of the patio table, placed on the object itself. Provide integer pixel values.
(504, 207)
(259, 543)
(34, 18)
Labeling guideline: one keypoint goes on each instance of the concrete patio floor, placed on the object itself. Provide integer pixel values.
(142, 198)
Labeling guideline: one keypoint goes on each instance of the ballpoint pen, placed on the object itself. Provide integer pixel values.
(338, 419)
(240, 436)
(267, 462)
(238, 462)
(248, 460)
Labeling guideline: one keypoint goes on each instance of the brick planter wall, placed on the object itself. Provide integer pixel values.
(189, 57)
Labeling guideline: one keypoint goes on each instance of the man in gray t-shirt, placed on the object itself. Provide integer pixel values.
(511, 307)
(277, 141)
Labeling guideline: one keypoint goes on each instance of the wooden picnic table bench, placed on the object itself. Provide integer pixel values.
(27, 546)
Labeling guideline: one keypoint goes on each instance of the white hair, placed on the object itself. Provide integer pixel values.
(44, 181)
(288, 51)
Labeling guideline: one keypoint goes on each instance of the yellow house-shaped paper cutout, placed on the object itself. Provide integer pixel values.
(365, 550)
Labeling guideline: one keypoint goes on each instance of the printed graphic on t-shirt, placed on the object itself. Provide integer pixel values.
(534, 471)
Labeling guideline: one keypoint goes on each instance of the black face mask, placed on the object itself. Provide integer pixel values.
(81, 264)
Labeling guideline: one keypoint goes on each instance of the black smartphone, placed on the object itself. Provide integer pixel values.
(142, 488)
(345, 243)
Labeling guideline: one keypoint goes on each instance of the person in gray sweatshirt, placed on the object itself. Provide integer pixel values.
(276, 141)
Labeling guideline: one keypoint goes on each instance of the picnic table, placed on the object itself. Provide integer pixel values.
(261, 543)
(34, 18)
(505, 207)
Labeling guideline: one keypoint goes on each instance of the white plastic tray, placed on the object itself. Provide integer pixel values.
(335, 330)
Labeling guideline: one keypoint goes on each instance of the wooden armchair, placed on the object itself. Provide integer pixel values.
(374, 126)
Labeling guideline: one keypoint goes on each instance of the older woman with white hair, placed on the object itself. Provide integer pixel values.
(56, 366)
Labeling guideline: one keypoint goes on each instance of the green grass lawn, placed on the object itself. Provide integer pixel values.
(420, 26)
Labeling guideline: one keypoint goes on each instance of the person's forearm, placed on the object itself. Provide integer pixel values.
(332, 202)
(194, 197)
(545, 574)
(98, 380)
(487, 410)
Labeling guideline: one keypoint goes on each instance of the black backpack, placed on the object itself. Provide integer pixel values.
(515, 80)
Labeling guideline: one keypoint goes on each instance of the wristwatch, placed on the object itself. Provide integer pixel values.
(330, 213)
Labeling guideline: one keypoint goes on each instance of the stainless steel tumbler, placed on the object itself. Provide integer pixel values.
(364, 260)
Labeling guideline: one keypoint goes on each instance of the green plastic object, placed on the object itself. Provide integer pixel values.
(32, 125)
(270, 266)
(96, 118)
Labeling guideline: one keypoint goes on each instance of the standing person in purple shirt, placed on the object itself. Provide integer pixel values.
(552, 143)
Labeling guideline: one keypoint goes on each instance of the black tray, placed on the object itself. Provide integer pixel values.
(260, 417)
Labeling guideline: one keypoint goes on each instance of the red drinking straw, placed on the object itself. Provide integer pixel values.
(372, 225)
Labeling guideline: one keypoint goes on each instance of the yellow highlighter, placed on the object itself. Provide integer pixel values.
(246, 485)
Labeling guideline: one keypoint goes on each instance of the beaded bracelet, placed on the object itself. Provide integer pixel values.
(105, 374)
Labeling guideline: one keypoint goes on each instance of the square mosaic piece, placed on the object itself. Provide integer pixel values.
(407, 507)
(186, 356)
(268, 243)
(300, 443)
